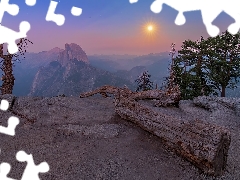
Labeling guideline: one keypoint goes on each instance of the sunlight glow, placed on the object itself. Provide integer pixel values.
(150, 31)
(150, 28)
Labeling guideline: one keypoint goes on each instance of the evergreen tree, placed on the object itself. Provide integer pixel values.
(189, 69)
(209, 66)
(170, 81)
(223, 65)
(144, 82)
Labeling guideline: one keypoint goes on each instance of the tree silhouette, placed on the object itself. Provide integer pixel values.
(144, 82)
(170, 80)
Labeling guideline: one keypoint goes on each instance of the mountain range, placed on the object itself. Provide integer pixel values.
(71, 71)
(59, 71)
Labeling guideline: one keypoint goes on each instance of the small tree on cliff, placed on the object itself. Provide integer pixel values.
(189, 69)
(170, 80)
(7, 65)
(144, 82)
(208, 66)
(223, 65)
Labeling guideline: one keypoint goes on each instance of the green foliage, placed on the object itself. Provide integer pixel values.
(208, 66)
(144, 82)
(224, 61)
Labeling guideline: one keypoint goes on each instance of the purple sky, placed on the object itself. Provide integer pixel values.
(109, 26)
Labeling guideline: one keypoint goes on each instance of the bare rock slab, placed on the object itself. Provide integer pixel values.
(218, 103)
(205, 145)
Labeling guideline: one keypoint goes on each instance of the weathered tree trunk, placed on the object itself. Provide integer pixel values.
(7, 67)
(8, 78)
(205, 145)
(165, 98)
(223, 91)
(104, 90)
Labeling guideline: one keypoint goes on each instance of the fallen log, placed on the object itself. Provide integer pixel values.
(104, 90)
(203, 144)
(165, 98)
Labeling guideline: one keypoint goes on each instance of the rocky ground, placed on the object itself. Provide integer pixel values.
(85, 139)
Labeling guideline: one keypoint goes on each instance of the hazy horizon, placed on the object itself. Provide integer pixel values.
(156, 53)
(110, 26)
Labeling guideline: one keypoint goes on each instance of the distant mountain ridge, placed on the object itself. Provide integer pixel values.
(72, 79)
(72, 74)
(27, 71)
(52, 66)
(127, 62)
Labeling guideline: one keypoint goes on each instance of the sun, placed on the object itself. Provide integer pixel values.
(150, 27)
(150, 30)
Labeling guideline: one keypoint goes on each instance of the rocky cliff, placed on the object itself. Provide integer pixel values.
(73, 78)
(72, 51)
(25, 70)
(72, 74)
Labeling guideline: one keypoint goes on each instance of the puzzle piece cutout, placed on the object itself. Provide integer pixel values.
(209, 9)
(12, 121)
(7, 35)
(59, 19)
(12, 124)
(12, 9)
(4, 105)
(31, 171)
(4, 170)
(76, 11)
(30, 2)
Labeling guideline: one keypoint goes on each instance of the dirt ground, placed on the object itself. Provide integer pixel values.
(85, 139)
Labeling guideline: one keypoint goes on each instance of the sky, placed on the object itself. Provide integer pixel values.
(109, 26)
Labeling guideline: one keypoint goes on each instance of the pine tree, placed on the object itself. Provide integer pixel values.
(223, 65)
(208, 66)
(144, 82)
(169, 81)
(188, 67)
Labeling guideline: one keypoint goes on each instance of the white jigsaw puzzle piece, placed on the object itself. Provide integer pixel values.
(4, 105)
(12, 9)
(4, 170)
(31, 171)
(209, 9)
(12, 124)
(76, 11)
(30, 2)
(12, 121)
(9, 36)
(133, 1)
(59, 19)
